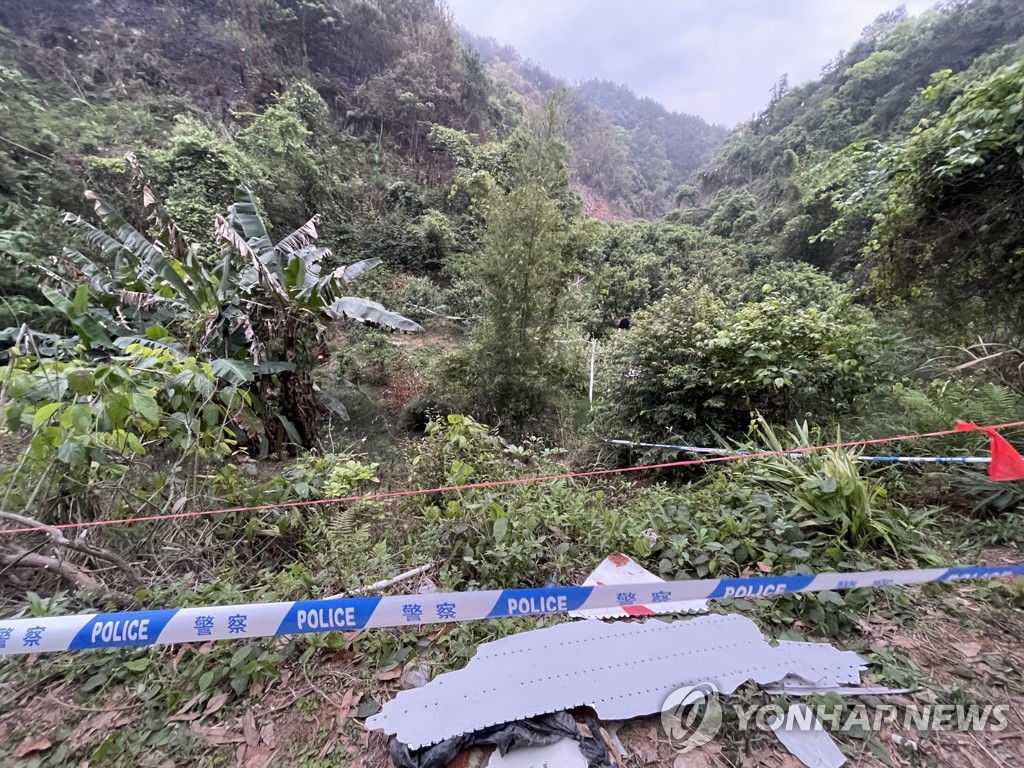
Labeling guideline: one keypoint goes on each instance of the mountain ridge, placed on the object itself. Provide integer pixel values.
(630, 150)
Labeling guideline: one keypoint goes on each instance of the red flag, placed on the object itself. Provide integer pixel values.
(1006, 464)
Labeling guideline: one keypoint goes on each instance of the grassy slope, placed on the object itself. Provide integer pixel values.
(301, 701)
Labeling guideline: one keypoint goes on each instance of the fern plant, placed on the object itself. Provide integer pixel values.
(938, 405)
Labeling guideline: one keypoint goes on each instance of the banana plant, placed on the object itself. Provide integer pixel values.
(291, 271)
(257, 315)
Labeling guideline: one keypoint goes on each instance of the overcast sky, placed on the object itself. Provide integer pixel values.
(714, 58)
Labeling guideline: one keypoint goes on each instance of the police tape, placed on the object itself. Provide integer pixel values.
(238, 622)
(804, 455)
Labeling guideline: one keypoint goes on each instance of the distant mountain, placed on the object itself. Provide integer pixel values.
(629, 151)
(688, 140)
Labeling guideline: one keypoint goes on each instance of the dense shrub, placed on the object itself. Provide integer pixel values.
(417, 298)
(691, 364)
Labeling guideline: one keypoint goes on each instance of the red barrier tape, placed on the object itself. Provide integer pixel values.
(499, 483)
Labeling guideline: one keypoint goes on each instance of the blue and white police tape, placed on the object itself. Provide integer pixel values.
(236, 622)
(804, 455)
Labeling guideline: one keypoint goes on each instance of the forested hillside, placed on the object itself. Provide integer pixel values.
(631, 151)
(903, 159)
(319, 108)
(310, 297)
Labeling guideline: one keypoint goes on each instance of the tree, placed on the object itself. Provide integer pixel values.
(950, 230)
(522, 273)
(694, 366)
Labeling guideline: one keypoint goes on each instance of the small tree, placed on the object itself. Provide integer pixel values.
(522, 273)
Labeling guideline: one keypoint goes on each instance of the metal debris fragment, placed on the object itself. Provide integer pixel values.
(621, 669)
(563, 754)
(820, 664)
(792, 688)
(620, 569)
(801, 733)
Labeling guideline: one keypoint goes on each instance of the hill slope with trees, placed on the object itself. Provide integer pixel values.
(899, 158)
(630, 151)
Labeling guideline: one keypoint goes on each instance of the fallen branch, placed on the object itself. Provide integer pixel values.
(22, 558)
(446, 317)
(386, 583)
(58, 538)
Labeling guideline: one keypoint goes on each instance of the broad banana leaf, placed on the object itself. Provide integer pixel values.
(204, 281)
(233, 238)
(99, 280)
(89, 331)
(105, 318)
(366, 311)
(242, 371)
(352, 271)
(245, 219)
(266, 267)
(331, 287)
(46, 344)
(300, 238)
(295, 274)
(235, 372)
(333, 404)
(227, 278)
(303, 271)
(94, 236)
(289, 428)
(275, 366)
(149, 255)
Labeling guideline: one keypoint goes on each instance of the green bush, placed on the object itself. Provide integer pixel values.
(91, 421)
(802, 283)
(690, 365)
(520, 534)
(370, 357)
(417, 298)
(628, 267)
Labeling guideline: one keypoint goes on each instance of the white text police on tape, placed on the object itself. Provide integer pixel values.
(761, 589)
(525, 605)
(118, 631)
(981, 573)
(327, 618)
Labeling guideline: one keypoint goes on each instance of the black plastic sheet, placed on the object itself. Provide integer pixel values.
(534, 732)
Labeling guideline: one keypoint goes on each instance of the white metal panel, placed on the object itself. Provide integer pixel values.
(620, 669)
(621, 569)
